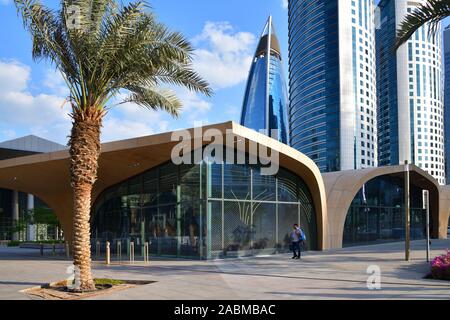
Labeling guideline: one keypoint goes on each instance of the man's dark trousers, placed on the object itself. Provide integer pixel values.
(296, 248)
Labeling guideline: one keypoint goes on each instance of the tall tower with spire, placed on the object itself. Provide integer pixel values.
(265, 100)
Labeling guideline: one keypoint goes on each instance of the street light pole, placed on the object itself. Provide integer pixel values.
(407, 212)
(426, 206)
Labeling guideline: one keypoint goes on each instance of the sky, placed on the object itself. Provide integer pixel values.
(224, 33)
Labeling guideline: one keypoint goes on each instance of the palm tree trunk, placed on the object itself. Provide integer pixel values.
(84, 152)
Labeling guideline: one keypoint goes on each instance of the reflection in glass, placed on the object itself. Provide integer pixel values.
(166, 206)
(377, 213)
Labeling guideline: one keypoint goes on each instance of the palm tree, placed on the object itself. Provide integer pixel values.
(432, 12)
(103, 49)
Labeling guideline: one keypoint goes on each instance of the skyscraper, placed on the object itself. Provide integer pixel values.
(410, 95)
(265, 100)
(447, 101)
(332, 82)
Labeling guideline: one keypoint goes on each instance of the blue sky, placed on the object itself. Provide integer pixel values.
(224, 32)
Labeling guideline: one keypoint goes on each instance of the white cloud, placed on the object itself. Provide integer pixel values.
(21, 109)
(224, 55)
(193, 105)
(23, 112)
(14, 76)
(54, 81)
(284, 4)
(119, 129)
(130, 120)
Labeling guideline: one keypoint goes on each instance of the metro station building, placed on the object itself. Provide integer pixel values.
(216, 209)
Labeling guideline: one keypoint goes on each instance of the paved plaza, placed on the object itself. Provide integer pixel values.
(337, 274)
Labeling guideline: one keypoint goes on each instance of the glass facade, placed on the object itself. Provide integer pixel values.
(332, 83)
(314, 86)
(7, 223)
(205, 211)
(377, 213)
(387, 87)
(410, 94)
(447, 101)
(265, 99)
(5, 214)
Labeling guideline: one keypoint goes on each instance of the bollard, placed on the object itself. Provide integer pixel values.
(42, 249)
(131, 251)
(146, 252)
(67, 250)
(54, 249)
(108, 253)
(119, 250)
(97, 249)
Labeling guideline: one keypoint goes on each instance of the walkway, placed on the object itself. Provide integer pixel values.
(338, 274)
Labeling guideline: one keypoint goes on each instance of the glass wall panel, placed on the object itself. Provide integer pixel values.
(215, 181)
(287, 186)
(215, 212)
(308, 225)
(237, 226)
(150, 189)
(154, 228)
(264, 187)
(189, 182)
(377, 213)
(168, 183)
(192, 222)
(166, 219)
(287, 216)
(264, 226)
(237, 182)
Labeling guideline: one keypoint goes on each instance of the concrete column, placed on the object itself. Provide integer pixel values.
(31, 228)
(15, 212)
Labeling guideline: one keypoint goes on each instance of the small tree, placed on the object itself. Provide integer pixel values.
(101, 49)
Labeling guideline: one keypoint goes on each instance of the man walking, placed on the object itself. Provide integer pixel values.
(295, 238)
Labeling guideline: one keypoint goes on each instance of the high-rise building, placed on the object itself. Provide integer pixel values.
(265, 100)
(447, 101)
(410, 95)
(332, 82)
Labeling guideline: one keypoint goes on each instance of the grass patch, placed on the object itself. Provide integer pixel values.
(105, 281)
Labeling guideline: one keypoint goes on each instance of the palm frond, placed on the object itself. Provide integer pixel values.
(114, 47)
(154, 99)
(431, 12)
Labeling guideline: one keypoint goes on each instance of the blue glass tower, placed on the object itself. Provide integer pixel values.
(332, 83)
(265, 100)
(447, 101)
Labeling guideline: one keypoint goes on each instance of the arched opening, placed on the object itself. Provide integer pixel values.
(377, 212)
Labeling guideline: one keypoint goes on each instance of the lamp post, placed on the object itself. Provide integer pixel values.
(407, 212)
(426, 206)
